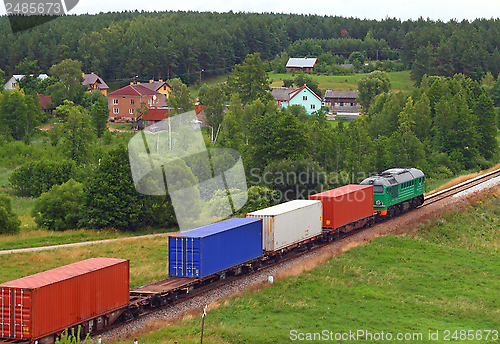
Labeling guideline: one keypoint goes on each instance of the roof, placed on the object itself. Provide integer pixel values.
(156, 85)
(43, 101)
(198, 108)
(156, 114)
(282, 93)
(394, 176)
(284, 207)
(215, 228)
(347, 65)
(135, 90)
(62, 273)
(339, 192)
(20, 76)
(298, 90)
(90, 79)
(302, 62)
(341, 94)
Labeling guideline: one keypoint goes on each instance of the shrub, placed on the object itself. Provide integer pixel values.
(9, 222)
(60, 208)
(111, 200)
(37, 177)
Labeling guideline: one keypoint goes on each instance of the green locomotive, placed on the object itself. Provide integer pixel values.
(396, 190)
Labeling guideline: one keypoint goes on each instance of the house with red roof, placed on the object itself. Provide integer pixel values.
(123, 103)
(45, 102)
(303, 96)
(154, 115)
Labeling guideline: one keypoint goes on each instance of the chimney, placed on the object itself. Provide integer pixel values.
(92, 73)
(131, 83)
(151, 81)
(161, 80)
(138, 83)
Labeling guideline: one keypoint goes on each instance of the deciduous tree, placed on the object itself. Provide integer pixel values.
(371, 85)
(250, 79)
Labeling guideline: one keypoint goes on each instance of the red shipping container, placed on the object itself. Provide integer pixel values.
(345, 205)
(39, 305)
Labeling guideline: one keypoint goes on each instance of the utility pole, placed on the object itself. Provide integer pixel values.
(200, 74)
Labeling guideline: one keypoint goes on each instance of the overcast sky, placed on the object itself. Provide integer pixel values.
(401, 9)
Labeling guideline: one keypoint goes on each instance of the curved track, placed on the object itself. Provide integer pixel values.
(438, 196)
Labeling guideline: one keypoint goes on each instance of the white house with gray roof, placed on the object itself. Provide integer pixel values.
(11, 83)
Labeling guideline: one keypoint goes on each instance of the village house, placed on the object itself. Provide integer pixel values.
(159, 86)
(12, 82)
(94, 82)
(124, 102)
(342, 103)
(301, 64)
(284, 97)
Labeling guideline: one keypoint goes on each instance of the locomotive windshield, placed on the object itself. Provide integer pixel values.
(378, 189)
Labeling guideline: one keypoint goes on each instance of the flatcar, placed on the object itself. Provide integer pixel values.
(396, 190)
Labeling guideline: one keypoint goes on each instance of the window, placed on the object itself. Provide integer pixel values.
(131, 111)
(132, 101)
(378, 189)
(164, 88)
(313, 106)
(115, 101)
(149, 101)
(304, 97)
(115, 110)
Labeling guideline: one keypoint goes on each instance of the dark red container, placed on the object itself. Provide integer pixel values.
(345, 205)
(39, 305)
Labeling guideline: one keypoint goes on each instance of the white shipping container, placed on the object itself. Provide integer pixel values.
(289, 223)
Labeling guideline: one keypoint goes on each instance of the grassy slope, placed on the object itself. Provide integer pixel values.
(148, 259)
(444, 277)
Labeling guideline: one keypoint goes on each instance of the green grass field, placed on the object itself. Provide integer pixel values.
(400, 81)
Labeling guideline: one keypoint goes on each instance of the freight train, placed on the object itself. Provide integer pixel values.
(94, 293)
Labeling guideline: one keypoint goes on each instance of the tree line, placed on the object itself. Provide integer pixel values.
(120, 46)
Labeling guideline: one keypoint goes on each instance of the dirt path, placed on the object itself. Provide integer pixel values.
(43, 248)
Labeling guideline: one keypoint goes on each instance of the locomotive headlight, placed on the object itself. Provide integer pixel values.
(378, 203)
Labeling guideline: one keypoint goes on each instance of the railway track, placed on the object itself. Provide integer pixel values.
(438, 196)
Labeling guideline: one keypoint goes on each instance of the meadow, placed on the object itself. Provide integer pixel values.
(400, 81)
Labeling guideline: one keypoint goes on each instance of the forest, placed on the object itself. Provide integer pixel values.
(78, 174)
(166, 45)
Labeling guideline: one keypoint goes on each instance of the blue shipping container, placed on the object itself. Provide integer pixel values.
(207, 250)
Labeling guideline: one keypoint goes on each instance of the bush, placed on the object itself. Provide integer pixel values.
(9, 222)
(37, 177)
(111, 200)
(60, 208)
